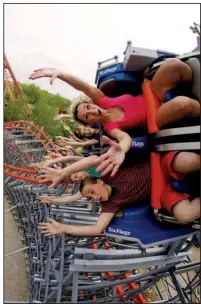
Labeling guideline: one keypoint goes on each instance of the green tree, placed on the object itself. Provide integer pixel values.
(31, 92)
(16, 110)
(43, 106)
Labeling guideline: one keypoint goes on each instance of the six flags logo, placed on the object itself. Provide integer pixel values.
(137, 144)
(119, 231)
(108, 70)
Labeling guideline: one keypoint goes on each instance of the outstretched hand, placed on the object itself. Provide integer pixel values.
(51, 175)
(51, 228)
(61, 142)
(112, 159)
(42, 164)
(46, 199)
(46, 72)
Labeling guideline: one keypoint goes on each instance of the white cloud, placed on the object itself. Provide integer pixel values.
(75, 37)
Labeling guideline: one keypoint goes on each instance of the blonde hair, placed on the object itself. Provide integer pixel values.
(82, 98)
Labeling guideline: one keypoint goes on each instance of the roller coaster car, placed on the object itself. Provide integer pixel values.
(114, 81)
(118, 78)
(183, 138)
(137, 224)
(144, 224)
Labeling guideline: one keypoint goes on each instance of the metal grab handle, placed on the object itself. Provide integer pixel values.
(129, 43)
(113, 58)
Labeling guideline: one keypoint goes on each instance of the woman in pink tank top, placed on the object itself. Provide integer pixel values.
(124, 112)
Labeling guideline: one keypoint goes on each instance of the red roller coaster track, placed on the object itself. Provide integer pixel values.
(41, 136)
(10, 79)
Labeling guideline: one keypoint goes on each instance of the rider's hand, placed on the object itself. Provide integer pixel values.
(60, 116)
(43, 164)
(46, 199)
(51, 228)
(57, 166)
(61, 142)
(47, 72)
(112, 159)
(51, 175)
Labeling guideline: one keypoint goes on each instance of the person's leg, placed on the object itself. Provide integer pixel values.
(186, 162)
(187, 211)
(169, 74)
(176, 109)
(174, 165)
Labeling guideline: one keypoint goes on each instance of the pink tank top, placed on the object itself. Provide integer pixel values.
(134, 112)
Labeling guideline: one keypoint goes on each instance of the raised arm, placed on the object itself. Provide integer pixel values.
(67, 159)
(92, 230)
(123, 138)
(114, 157)
(55, 200)
(57, 175)
(78, 84)
(75, 137)
(86, 143)
(62, 159)
(71, 137)
(83, 164)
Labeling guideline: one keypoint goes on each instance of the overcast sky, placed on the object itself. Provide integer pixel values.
(75, 37)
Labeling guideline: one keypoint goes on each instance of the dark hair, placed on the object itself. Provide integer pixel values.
(77, 133)
(88, 180)
(75, 113)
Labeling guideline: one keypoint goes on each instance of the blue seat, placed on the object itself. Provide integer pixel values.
(191, 90)
(96, 125)
(114, 80)
(183, 89)
(190, 184)
(138, 225)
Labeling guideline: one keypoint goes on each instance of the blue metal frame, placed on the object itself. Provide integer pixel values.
(138, 225)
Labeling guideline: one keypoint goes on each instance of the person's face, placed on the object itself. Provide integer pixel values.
(89, 113)
(86, 131)
(79, 176)
(96, 192)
